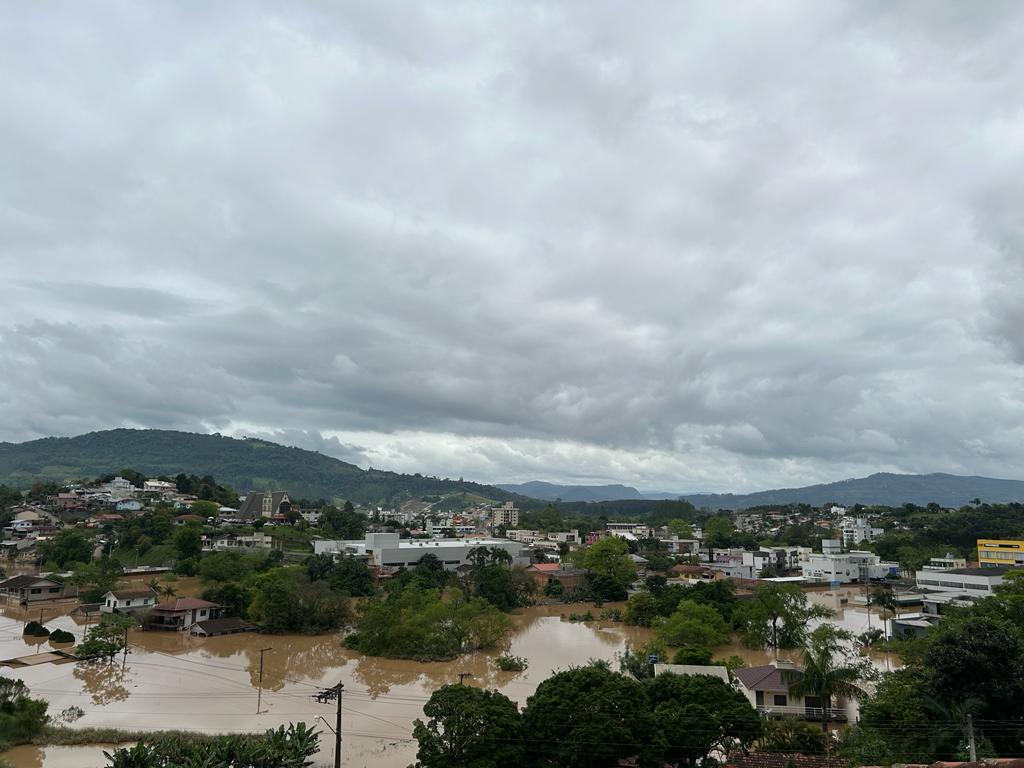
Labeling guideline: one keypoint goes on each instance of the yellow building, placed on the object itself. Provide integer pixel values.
(1000, 552)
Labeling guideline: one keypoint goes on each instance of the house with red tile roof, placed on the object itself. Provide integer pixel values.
(180, 614)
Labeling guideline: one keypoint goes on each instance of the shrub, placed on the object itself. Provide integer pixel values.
(35, 629)
(60, 636)
(508, 663)
(693, 654)
(421, 624)
(588, 616)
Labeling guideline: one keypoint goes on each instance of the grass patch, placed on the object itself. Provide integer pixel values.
(60, 736)
(158, 554)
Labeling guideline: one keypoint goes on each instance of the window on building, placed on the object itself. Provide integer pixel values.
(779, 700)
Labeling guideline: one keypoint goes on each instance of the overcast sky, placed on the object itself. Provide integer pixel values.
(685, 246)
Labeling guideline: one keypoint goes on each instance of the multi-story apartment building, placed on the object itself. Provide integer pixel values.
(506, 515)
(858, 529)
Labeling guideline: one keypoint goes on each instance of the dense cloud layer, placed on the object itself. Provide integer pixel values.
(685, 246)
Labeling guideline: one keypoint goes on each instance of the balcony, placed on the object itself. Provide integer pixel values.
(832, 714)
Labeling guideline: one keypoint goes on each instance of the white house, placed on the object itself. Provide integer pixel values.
(128, 600)
(128, 505)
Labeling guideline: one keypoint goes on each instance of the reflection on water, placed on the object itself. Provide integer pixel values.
(210, 684)
(104, 682)
(57, 757)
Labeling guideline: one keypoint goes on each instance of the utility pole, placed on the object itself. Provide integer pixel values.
(124, 659)
(329, 694)
(970, 739)
(259, 696)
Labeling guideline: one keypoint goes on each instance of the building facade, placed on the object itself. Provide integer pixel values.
(995, 552)
(389, 550)
(506, 515)
(979, 581)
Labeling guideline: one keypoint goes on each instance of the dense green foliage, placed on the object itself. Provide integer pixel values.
(285, 600)
(591, 717)
(588, 717)
(35, 629)
(69, 546)
(243, 464)
(932, 531)
(414, 622)
(97, 578)
(469, 728)
(104, 640)
(21, 718)
(346, 574)
(776, 616)
(792, 735)
(343, 523)
(61, 636)
(971, 663)
(609, 568)
(284, 747)
(693, 624)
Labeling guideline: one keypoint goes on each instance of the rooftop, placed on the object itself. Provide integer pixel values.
(764, 678)
(132, 594)
(185, 604)
(992, 570)
(17, 582)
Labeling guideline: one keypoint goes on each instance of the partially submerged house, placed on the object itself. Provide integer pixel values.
(182, 613)
(27, 589)
(551, 573)
(128, 600)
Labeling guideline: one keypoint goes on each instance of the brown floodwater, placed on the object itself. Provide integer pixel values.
(211, 685)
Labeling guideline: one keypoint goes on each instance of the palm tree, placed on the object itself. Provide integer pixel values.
(827, 673)
(884, 598)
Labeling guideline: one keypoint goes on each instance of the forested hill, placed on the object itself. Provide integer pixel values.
(884, 489)
(881, 488)
(538, 489)
(246, 465)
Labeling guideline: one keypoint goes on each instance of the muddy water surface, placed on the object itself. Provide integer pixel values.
(174, 681)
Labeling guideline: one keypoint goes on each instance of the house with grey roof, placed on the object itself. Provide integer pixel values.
(767, 688)
(26, 589)
(128, 600)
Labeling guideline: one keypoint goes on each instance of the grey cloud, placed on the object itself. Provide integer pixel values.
(678, 246)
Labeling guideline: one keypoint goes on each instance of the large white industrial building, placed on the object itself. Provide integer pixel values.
(387, 549)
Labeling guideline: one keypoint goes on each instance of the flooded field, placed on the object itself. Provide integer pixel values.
(211, 685)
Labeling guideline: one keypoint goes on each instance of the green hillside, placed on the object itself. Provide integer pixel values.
(246, 465)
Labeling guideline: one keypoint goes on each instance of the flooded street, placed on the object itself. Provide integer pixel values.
(210, 685)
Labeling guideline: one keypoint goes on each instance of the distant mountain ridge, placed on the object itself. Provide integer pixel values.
(538, 489)
(244, 464)
(880, 488)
